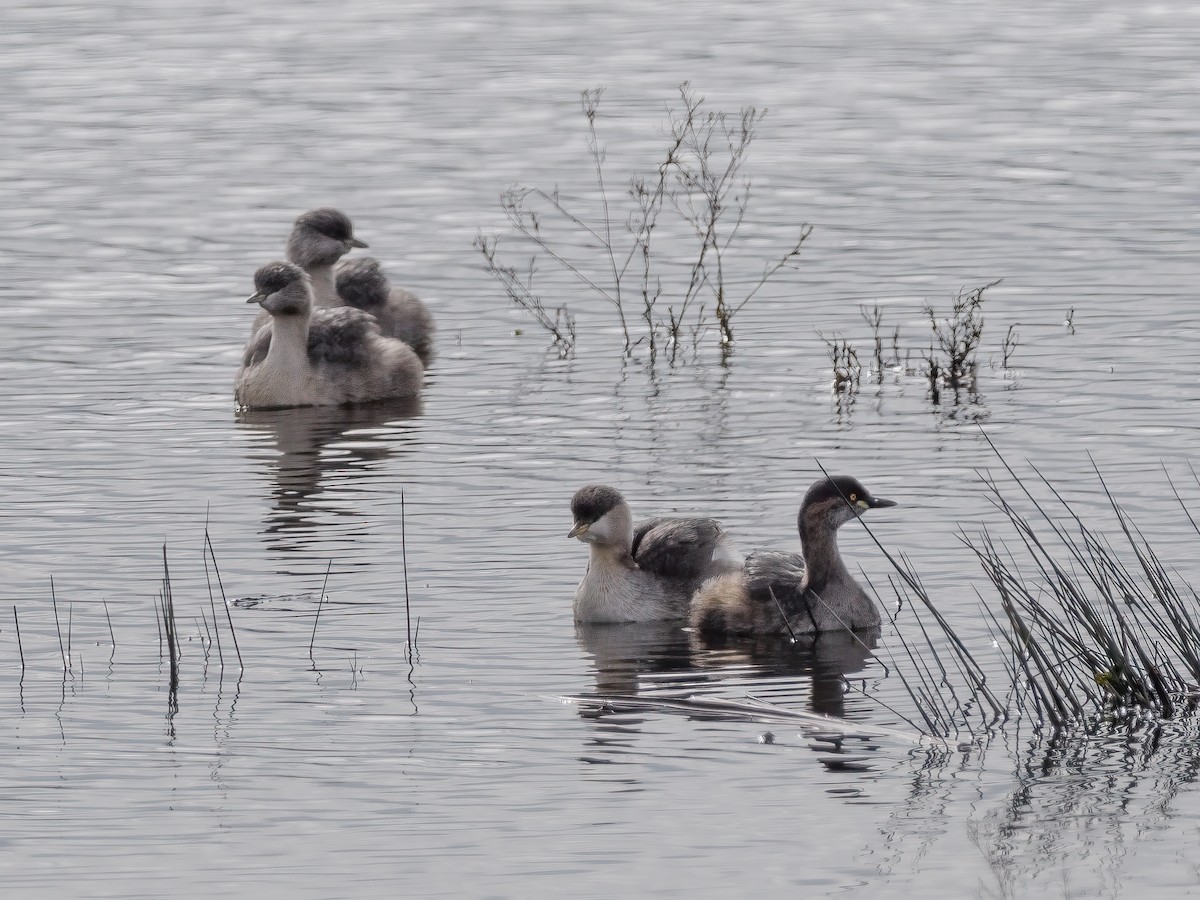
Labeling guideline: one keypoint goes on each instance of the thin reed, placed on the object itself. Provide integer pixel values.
(166, 608)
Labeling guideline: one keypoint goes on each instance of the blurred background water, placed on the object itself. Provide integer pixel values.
(155, 155)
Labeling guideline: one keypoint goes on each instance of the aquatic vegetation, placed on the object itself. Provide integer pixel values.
(956, 337)
(699, 182)
(948, 364)
(847, 370)
(1085, 631)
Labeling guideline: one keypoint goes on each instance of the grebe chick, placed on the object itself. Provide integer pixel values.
(647, 574)
(362, 284)
(325, 357)
(811, 593)
(318, 240)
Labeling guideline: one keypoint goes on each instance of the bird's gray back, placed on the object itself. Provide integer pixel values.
(340, 336)
(675, 547)
(337, 336)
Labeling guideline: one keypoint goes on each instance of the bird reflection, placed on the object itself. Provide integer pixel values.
(622, 654)
(826, 660)
(663, 660)
(317, 446)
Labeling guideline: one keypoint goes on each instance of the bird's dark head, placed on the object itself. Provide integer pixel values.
(282, 289)
(835, 500)
(321, 237)
(597, 510)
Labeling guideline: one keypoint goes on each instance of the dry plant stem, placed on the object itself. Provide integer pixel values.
(847, 371)
(317, 618)
(590, 100)
(111, 636)
(167, 601)
(943, 680)
(208, 638)
(782, 613)
(561, 325)
(861, 689)
(958, 335)
(710, 175)
(874, 318)
(58, 627)
(404, 563)
(1012, 340)
(211, 599)
(920, 695)
(641, 226)
(220, 585)
(20, 648)
(698, 179)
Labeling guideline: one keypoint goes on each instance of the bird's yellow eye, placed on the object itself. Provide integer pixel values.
(853, 498)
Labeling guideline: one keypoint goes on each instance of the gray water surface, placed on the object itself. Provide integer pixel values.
(156, 155)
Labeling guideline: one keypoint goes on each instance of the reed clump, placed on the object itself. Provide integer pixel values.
(847, 370)
(956, 337)
(948, 364)
(1089, 627)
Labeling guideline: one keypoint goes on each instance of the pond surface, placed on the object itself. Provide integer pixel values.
(155, 156)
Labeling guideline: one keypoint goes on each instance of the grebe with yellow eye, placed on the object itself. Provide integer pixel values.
(776, 592)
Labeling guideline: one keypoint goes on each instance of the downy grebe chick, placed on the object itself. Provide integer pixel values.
(362, 284)
(325, 357)
(647, 574)
(781, 593)
(318, 240)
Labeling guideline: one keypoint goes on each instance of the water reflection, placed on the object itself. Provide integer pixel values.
(1096, 787)
(622, 654)
(1087, 784)
(636, 664)
(826, 661)
(319, 451)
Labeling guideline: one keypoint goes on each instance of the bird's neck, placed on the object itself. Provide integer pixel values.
(289, 343)
(323, 284)
(822, 559)
(606, 557)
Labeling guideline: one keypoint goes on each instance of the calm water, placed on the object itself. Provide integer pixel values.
(154, 157)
